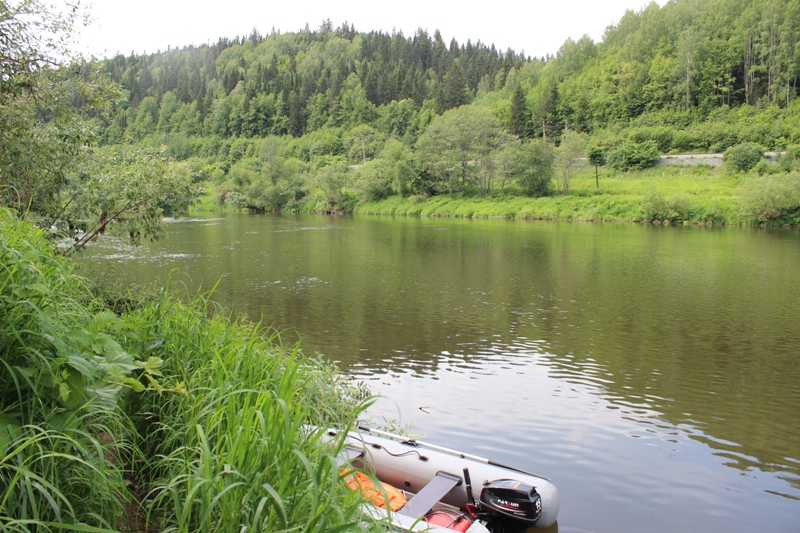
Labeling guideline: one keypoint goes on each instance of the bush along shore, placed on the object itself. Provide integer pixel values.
(168, 416)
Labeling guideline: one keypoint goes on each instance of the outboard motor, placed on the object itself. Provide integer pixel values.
(511, 505)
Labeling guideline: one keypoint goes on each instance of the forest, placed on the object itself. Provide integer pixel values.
(323, 119)
(331, 120)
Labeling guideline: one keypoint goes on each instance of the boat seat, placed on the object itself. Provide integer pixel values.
(430, 495)
(347, 455)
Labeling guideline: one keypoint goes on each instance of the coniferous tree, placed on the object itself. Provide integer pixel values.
(454, 90)
(520, 117)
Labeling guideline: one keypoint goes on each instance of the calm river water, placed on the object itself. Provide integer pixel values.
(652, 372)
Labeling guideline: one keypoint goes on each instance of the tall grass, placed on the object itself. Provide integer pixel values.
(170, 417)
(233, 451)
(56, 447)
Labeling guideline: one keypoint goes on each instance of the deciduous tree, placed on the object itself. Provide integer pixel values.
(568, 156)
(48, 168)
(462, 147)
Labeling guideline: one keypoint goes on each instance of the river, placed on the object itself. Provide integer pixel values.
(653, 373)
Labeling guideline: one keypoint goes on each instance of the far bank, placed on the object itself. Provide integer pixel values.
(698, 194)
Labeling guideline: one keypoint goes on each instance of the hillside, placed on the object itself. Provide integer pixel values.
(276, 120)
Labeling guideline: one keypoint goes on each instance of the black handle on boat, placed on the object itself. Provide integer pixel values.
(468, 482)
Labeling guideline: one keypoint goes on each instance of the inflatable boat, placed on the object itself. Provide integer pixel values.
(419, 486)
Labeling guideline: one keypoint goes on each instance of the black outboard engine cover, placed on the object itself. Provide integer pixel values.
(511, 504)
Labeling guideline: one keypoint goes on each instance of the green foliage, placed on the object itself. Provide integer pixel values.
(788, 160)
(520, 117)
(568, 155)
(123, 190)
(743, 156)
(43, 134)
(62, 372)
(373, 180)
(698, 195)
(35, 35)
(399, 167)
(209, 416)
(462, 147)
(334, 180)
(297, 83)
(533, 168)
(657, 208)
(362, 143)
(662, 136)
(236, 449)
(772, 198)
(596, 155)
(48, 112)
(634, 156)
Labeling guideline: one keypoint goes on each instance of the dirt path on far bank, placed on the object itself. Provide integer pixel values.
(714, 160)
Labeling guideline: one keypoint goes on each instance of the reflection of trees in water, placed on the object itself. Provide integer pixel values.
(694, 328)
(682, 329)
(700, 331)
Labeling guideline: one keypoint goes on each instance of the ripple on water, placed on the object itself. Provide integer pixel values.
(566, 414)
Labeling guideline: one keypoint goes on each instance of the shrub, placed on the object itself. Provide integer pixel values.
(657, 208)
(62, 373)
(765, 167)
(634, 156)
(373, 180)
(533, 167)
(662, 136)
(685, 141)
(788, 158)
(743, 156)
(773, 197)
(234, 453)
(263, 196)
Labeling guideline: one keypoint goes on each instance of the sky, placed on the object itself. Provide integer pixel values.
(537, 27)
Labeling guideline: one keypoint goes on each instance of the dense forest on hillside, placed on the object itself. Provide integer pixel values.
(678, 64)
(297, 83)
(323, 118)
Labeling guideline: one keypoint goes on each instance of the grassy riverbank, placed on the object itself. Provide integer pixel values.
(693, 195)
(168, 416)
(698, 194)
(673, 194)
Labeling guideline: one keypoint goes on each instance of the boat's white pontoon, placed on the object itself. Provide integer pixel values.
(438, 485)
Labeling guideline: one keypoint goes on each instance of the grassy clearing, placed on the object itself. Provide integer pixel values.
(698, 195)
(168, 417)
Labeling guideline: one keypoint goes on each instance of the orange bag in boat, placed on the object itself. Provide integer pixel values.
(362, 482)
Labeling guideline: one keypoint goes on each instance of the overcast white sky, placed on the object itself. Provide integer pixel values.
(538, 27)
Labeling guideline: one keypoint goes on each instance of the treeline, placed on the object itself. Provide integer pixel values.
(332, 115)
(677, 64)
(680, 63)
(296, 83)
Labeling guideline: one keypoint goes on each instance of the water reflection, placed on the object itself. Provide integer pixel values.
(652, 371)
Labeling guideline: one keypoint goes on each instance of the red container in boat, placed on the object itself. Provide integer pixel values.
(449, 519)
